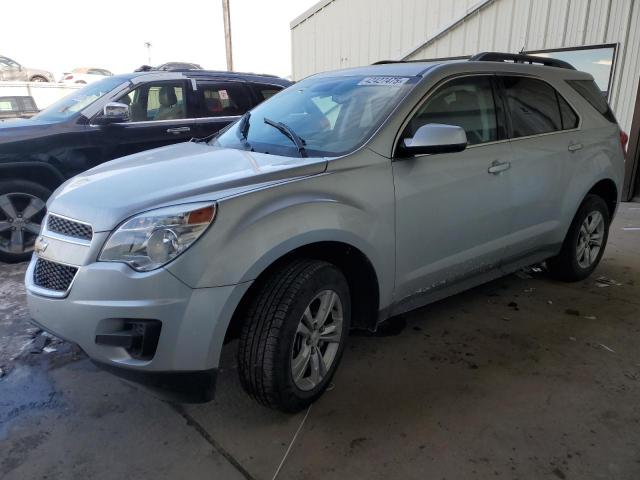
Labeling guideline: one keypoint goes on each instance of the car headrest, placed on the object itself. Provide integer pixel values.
(167, 96)
(213, 105)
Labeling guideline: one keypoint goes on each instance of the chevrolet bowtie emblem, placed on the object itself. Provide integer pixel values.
(41, 245)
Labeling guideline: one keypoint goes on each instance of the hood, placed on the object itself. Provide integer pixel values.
(186, 172)
(25, 129)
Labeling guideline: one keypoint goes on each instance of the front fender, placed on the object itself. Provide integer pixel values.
(254, 230)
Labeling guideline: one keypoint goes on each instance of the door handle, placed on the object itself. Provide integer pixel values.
(497, 167)
(573, 147)
(177, 130)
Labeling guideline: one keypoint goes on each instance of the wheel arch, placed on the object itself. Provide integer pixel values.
(358, 269)
(608, 191)
(41, 173)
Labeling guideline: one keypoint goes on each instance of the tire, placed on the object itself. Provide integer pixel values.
(38, 78)
(81, 82)
(570, 264)
(273, 338)
(22, 206)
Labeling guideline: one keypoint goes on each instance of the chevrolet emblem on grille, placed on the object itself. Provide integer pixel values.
(41, 245)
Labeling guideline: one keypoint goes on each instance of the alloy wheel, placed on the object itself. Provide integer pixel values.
(590, 239)
(20, 217)
(317, 340)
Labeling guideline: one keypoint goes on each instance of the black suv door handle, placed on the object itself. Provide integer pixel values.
(177, 130)
(497, 167)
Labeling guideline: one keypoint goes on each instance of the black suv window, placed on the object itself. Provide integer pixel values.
(157, 101)
(223, 99)
(466, 102)
(266, 91)
(533, 106)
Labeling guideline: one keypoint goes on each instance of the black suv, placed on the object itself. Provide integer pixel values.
(114, 117)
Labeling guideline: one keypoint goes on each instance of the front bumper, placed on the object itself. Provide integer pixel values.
(103, 296)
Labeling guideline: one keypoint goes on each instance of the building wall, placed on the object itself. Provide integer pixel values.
(343, 33)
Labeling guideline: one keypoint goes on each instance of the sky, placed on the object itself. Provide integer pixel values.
(60, 36)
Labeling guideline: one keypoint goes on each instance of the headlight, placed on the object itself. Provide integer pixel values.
(152, 239)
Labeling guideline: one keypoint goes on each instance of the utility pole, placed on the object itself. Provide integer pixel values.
(148, 45)
(227, 33)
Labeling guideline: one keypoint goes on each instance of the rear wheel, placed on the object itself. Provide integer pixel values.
(22, 209)
(294, 333)
(585, 242)
(38, 78)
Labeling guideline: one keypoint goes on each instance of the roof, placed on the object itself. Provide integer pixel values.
(187, 73)
(423, 68)
(309, 13)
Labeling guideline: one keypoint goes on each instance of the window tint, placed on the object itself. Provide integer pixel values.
(156, 101)
(466, 102)
(266, 91)
(223, 99)
(568, 116)
(592, 94)
(533, 106)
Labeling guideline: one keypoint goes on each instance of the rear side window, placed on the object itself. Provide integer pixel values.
(266, 91)
(533, 106)
(592, 94)
(569, 117)
(223, 99)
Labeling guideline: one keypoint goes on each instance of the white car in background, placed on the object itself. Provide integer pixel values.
(85, 75)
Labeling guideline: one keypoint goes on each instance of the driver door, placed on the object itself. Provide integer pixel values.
(452, 209)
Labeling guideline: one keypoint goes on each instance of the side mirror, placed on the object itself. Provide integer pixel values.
(113, 112)
(435, 138)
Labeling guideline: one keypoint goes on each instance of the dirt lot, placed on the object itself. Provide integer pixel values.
(521, 378)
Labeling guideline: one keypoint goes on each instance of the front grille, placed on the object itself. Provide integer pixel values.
(53, 276)
(69, 228)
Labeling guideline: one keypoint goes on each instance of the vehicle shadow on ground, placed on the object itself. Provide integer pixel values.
(492, 361)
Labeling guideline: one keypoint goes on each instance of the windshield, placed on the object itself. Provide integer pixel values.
(78, 100)
(330, 116)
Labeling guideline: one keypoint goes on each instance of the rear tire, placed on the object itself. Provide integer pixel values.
(289, 349)
(585, 242)
(38, 78)
(22, 209)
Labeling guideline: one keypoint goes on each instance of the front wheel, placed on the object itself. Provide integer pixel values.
(584, 244)
(294, 332)
(38, 78)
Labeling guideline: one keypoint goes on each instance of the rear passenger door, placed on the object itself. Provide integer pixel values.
(543, 137)
(220, 103)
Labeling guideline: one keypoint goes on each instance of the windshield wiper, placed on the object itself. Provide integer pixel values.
(244, 125)
(290, 134)
(243, 130)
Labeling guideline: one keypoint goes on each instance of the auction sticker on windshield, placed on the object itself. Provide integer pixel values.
(388, 81)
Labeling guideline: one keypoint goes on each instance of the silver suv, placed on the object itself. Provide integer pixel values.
(349, 197)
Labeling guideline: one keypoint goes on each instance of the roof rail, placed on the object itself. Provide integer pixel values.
(520, 58)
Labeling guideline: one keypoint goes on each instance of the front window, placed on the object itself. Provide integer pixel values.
(156, 101)
(79, 100)
(331, 116)
(466, 102)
